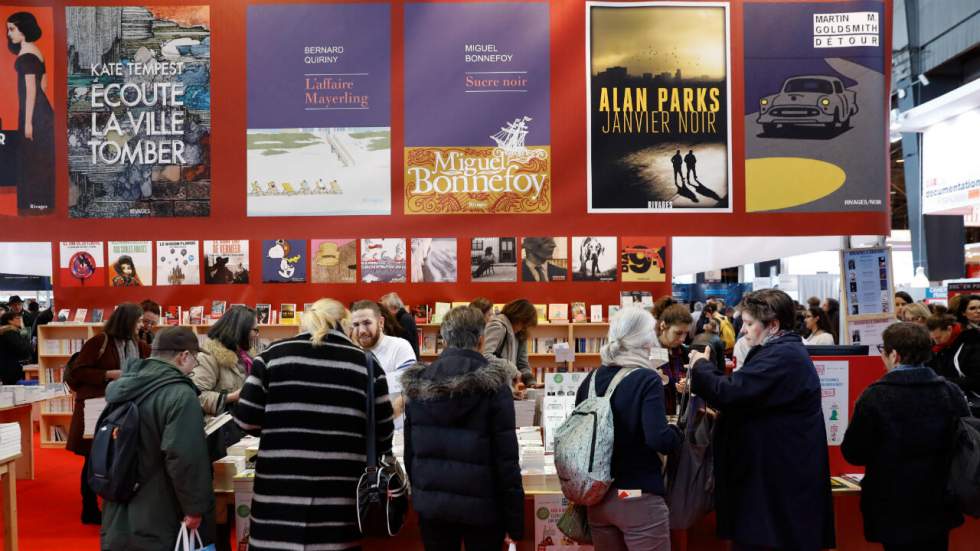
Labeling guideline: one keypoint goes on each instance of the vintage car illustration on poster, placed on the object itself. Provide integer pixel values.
(810, 100)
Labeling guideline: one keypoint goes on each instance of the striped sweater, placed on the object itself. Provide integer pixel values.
(308, 404)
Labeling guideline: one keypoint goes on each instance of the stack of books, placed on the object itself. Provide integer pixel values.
(93, 409)
(524, 412)
(9, 440)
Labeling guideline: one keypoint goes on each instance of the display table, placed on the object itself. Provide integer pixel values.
(21, 414)
(8, 483)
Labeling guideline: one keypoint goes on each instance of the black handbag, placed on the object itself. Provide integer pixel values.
(382, 491)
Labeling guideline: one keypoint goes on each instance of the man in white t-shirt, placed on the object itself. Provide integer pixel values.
(393, 353)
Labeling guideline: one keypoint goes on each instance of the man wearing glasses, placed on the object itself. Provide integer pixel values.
(149, 321)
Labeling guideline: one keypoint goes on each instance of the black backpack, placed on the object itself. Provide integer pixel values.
(113, 460)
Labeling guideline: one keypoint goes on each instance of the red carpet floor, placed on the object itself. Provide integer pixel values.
(50, 506)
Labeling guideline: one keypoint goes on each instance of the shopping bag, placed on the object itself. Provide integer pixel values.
(190, 540)
(574, 523)
(690, 470)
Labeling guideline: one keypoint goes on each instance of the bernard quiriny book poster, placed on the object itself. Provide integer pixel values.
(139, 111)
(477, 108)
(319, 110)
(658, 85)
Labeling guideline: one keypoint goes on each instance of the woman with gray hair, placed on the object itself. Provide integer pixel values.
(469, 492)
(641, 521)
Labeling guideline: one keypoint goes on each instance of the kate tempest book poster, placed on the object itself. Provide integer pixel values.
(659, 107)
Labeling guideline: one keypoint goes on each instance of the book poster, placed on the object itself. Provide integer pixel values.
(834, 385)
(130, 263)
(27, 68)
(544, 259)
(867, 283)
(643, 259)
(594, 258)
(478, 133)
(658, 93)
(493, 259)
(333, 261)
(319, 110)
(383, 260)
(815, 96)
(868, 332)
(434, 260)
(548, 510)
(284, 261)
(226, 262)
(81, 264)
(139, 111)
(178, 263)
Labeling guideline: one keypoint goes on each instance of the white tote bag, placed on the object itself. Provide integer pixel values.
(190, 540)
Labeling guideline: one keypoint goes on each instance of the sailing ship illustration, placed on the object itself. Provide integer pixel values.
(511, 138)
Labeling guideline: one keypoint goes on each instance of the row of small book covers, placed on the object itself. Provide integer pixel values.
(287, 313)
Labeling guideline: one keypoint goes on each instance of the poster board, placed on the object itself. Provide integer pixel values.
(867, 295)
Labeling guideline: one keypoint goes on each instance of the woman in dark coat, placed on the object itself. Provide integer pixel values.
(902, 431)
(101, 360)
(460, 442)
(956, 355)
(772, 471)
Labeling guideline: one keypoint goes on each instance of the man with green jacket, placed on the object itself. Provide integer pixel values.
(174, 470)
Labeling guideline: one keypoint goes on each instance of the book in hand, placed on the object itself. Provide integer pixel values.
(578, 312)
(80, 315)
(216, 423)
(97, 315)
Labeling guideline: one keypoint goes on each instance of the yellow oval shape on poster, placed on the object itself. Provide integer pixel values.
(774, 183)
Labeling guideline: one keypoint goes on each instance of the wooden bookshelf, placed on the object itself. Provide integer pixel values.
(544, 361)
(56, 342)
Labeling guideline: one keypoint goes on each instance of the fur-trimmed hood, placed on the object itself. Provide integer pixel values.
(457, 372)
(220, 355)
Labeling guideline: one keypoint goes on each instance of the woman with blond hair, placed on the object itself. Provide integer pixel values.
(306, 398)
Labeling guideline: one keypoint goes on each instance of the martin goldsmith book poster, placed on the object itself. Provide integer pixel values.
(659, 107)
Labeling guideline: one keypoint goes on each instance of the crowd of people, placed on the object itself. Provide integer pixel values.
(305, 397)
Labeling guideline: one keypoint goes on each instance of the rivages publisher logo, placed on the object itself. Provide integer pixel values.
(510, 177)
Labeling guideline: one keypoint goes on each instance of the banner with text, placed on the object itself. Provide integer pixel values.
(319, 110)
(478, 113)
(815, 99)
(139, 111)
(658, 78)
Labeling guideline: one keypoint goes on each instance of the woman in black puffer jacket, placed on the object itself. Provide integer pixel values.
(461, 444)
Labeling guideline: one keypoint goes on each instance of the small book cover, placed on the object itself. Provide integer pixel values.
(333, 260)
(442, 308)
(579, 314)
(80, 315)
(264, 313)
(422, 313)
(383, 260)
(594, 258)
(197, 315)
(493, 259)
(596, 313)
(641, 298)
(643, 259)
(433, 260)
(558, 312)
(97, 315)
(171, 316)
(428, 344)
(544, 259)
(178, 263)
(64, 314)
(542, 312)
(217, 309)
(498, 308)
(130, 263)
(82, 264)
(284, 261)
(226, 262)
(185, 317)
(287, 314)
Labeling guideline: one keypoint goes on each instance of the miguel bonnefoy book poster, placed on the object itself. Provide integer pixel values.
(139, 111)
(659, 107)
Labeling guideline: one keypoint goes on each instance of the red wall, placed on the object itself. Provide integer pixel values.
(568, 217)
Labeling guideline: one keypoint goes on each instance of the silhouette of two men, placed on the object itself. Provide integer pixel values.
(690, 161)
